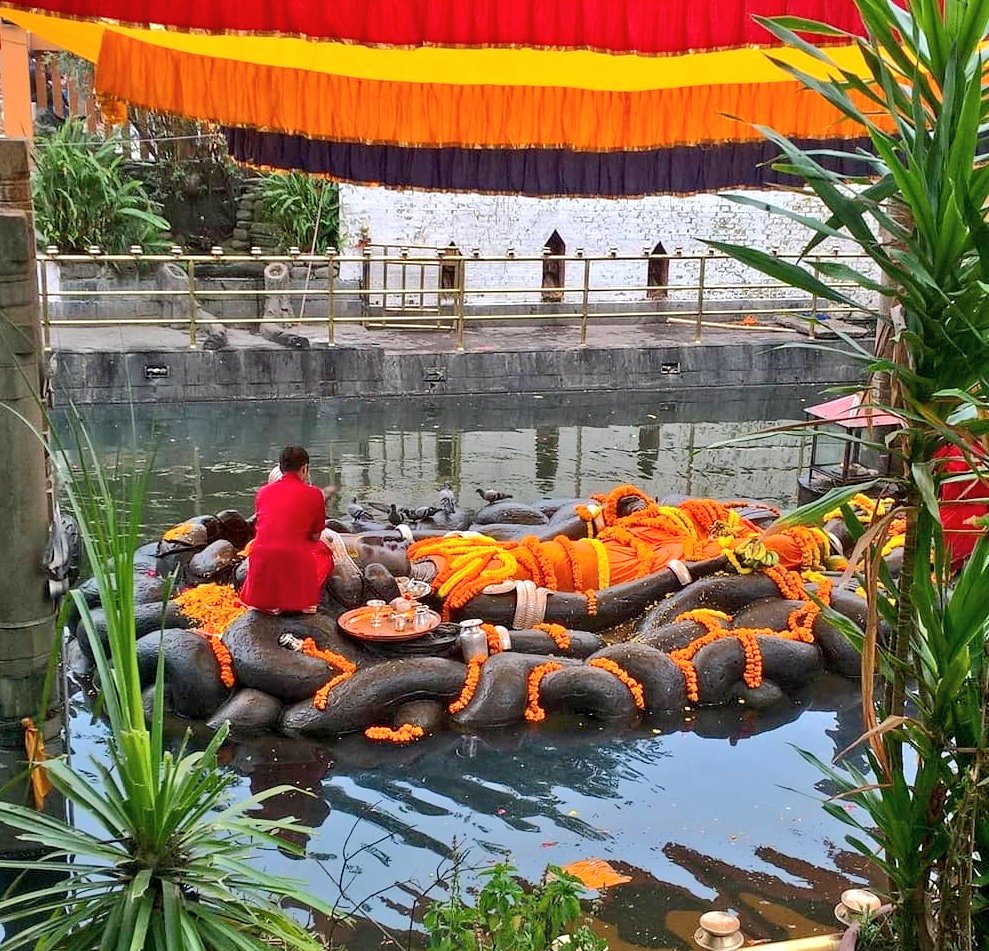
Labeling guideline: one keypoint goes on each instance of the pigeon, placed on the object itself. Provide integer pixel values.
(421, 514)
(394, 516)
(448, 501)
(357, 511)
(492, 495)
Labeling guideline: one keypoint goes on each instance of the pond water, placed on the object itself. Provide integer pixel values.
(720, 811)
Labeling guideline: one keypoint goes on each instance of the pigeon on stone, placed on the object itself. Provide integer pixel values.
(420, 514)
(394, 516)
(357, 511)
(448, 501)
(493, 495)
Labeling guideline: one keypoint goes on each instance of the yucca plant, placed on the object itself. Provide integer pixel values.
(305, 211)
(918, 212)
(170, 863)
(82, 196)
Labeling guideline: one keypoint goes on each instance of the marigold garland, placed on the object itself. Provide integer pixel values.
(470, 685)
(404, 734)
(604, 565)
(214, 607)
(178, 532)
(534, 713)
(587, 516)
(592, 603)
(469, 566)
(223, 657)
(347, 670)
(556, 631)
(705, 512)
(800, 624)
(634, 687)
(753, 659)
(494, 638)
(616, 495)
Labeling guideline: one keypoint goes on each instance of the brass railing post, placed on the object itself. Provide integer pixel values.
(461, 282)
(46, 330)
(331, 303)
(191, 272)
(701, 272)
(585, 302)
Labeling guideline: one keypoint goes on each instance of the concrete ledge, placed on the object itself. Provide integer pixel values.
(249, 373)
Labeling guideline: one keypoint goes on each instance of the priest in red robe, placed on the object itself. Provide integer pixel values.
(288, 563)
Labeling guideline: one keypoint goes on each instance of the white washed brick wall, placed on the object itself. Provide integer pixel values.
(494, 223)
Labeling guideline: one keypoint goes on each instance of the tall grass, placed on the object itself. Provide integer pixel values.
(171, 865)
(82, 196)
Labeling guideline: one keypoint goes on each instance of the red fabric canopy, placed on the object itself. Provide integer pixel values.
(644, 26)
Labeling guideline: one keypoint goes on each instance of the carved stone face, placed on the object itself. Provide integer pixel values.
(371, 550)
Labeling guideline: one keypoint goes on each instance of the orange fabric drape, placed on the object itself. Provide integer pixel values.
(366, 110)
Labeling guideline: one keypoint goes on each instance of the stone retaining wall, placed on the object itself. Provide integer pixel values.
(256, 374)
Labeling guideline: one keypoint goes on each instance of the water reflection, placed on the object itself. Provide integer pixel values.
(213, 456)
(696, 821)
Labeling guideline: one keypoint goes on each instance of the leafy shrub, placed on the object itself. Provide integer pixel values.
(509, 918)
(305, 211)
(82, 196)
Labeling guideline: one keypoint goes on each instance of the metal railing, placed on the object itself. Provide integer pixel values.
(445, 290)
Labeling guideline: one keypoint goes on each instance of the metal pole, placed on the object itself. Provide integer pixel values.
(46, 330)
(698, 331)
(461, 281)
(584, 303)
(331, 304)
(813, 304)
(191, 273)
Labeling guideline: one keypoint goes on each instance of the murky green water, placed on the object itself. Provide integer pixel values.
(719, 813)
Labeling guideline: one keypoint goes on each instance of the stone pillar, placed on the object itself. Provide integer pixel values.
(27, 623)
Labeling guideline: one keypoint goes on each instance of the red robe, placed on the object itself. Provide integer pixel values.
(959, 502)
(288, 565)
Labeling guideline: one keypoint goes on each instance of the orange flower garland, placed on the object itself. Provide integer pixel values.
(611, 500)
(469, 566)
(558, 632)
(592, 603)
(604, 565)
(222, 655)
(587, 516)
(534, 713)
(214, 607)
(800, 624)
(634, 687)
(347, 669)
(470, 685)
(406, 733)
(494, 640)
(753, 659)
(178, 532)
(705, 512)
